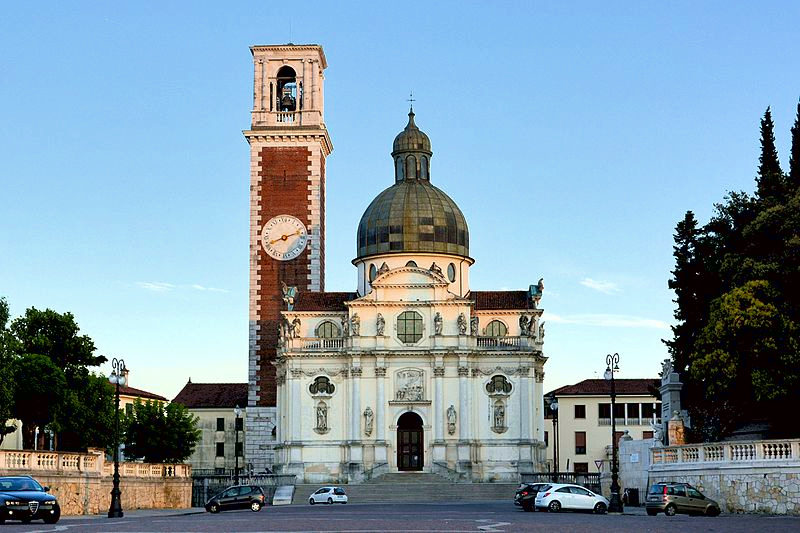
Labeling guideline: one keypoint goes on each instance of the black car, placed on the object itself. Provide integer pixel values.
(237, 497)
(526, 495)
(22, 498)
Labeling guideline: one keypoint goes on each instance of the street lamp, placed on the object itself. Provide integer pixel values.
(612, 366)
(554, 410)
(236, 411)
(117, 378)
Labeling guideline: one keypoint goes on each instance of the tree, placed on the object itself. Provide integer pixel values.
(86, 416)
(6, 375)
(794, 159)
(160, 434)
(770, 179)
(40, 387)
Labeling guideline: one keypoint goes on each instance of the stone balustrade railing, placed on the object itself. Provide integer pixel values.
(47, 462)
(728, 452)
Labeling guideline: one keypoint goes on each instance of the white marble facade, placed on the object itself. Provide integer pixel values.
(472, 376)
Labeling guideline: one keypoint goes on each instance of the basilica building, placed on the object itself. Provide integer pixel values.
(412, 370)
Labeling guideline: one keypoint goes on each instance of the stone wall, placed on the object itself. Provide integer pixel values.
(634, 465)
(82, 482)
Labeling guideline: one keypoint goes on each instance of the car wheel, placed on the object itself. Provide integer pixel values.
(311, 501)
(670, 510)
(712, 511)
(600, 508)
(555, 506)
(344, 502)
(213, 508)
(527, 508)
(330, 501)
(652, 512)
(255, 506)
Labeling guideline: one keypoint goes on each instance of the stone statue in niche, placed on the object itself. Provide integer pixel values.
(437, 323)
(531, 327)
(451, 420)
(322, 417)
(499, 415)
(380, 324)
(295, 327)
(345, 327)
(355, 325)
(541, 332)
(523, 325)
(281, 340)
(410, 386)
(462, 324)
(368, 418)
(473, 325)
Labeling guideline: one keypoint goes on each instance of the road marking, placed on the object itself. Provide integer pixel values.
(491, 527)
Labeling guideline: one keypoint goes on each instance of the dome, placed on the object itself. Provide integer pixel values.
(412, 215)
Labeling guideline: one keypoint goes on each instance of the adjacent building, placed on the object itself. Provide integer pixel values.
(223, 433)
(584, 420)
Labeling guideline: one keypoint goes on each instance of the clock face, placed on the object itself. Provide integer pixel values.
(284, 237)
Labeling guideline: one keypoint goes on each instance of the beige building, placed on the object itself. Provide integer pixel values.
(584, 420)
(214, 405)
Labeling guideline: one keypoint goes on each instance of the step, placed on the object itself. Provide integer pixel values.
(416, 492)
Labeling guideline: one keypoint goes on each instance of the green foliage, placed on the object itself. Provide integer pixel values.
(40, 388)
(160, 434)
(736, 281)
(794, 159)
(86, 416)
(6, 375)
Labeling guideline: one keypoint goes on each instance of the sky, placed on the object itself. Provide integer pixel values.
(572, 135)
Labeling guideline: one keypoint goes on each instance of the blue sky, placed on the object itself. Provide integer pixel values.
(572, 135)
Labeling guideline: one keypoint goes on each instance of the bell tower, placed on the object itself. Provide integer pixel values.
(288, 146)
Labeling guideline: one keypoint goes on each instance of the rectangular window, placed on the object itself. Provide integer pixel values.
(648, 411)
(647, 435)
(580, 443)
(580, 411)
(239, 449)
(220, 449)
(604, 410)
(546, 439)
(220, 424)
(239, 424)
(129, 409)
(619, 411)
(581, 468)
(633, 411)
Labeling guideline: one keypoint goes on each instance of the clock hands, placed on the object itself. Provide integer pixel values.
(285, 237)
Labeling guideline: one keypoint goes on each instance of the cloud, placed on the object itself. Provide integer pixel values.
(210, 289)
(606, 287)
(607, 320)
(155, 286)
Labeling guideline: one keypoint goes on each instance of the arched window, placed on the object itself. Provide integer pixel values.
(399, 170)
(328, 330)
(411, 264)
(411, 167)
(409, 326)
(495, 328)
(321, 385)
(424, 168)
(287, 89)
(451, 272)
(498, 384)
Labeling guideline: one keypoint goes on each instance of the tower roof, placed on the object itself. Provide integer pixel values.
(411, 139)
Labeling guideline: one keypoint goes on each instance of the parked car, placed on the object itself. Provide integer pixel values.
(564, 496)
(237, 497)
(673, 498)
(526, 495)
(23, 498)
(328, 495)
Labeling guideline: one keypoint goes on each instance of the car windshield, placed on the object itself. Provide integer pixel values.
(19, 484)
(657, 489)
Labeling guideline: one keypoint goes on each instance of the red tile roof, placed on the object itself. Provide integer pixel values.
(601, 386)
(323, 301)
(490, 300)
(139, 393)
(194, 395)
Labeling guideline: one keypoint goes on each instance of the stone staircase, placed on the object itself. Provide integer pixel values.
(415, 487)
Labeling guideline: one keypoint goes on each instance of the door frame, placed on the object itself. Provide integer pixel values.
(422, 441)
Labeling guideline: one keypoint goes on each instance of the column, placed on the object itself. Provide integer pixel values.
(438, 403)
(380, 400)
(538, 393)
(525, 404)
(355, 415)
(296, 407)
(463, 401)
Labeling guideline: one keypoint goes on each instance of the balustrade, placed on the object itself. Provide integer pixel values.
(32, 462)
(728, 452)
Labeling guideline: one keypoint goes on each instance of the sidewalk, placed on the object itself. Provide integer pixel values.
(139, 513)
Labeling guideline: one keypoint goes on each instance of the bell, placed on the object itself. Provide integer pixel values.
(287, 103)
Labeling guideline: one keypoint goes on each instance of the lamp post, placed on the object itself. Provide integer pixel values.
(117, 377)
(554, 410)
(236, 411)
(615, 503)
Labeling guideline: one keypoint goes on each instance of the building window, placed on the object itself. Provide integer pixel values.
(580, 443)
(580, 411)
(220, 449)
(633, 411)
(239, 449)
(328, 330)
(649, 411)
(239, 424)
(604, 414)
(495, 328)
(409, 327)
(546, 439)
(619, 411)
(581, 468)
(451, 272)
(129, 409)
(498, 384)
(220, 424)
(373, 273)
(647, 435)
(321, 385)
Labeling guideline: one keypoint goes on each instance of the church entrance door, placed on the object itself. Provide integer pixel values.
(410, 445)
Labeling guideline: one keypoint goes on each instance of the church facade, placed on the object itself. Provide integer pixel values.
(411, 371)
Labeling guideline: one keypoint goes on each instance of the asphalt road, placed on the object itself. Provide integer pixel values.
(410, 517)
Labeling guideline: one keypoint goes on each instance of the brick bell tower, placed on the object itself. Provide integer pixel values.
(288, 146)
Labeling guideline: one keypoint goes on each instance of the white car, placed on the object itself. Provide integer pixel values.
(328, 495)
(558, 496)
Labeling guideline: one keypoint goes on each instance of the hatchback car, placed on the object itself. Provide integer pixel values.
(526, 495)
(237, 497)
(328, 495)
(23, 498)
(562, 496)
(673, 498)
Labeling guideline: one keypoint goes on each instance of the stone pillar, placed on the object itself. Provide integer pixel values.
(524, 404)
(438, 403)
(670, 390)
(463, 401)
(355, 415)
(538, 394)
(381, 454)
(295, 409)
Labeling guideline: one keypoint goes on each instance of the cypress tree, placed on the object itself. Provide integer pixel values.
(770, 176)
(794, 159)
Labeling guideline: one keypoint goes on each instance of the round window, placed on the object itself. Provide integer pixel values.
(373, 273)
(409, 326)
(495, 328)
(451, 272)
